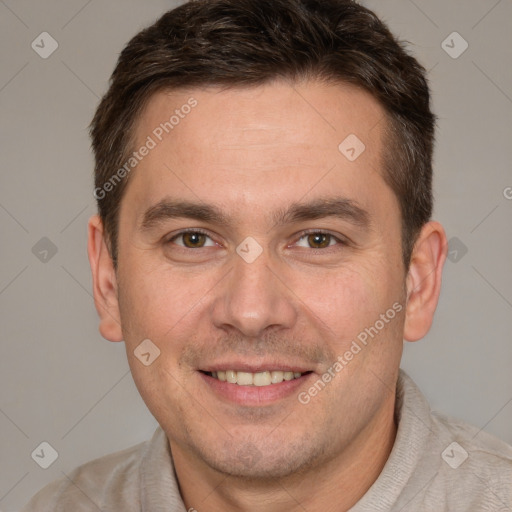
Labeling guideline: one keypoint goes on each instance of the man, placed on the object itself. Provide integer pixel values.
(263, 247)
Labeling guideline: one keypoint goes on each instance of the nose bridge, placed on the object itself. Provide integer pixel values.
(253, 298)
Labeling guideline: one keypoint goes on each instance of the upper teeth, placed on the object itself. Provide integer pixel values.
(254, 379)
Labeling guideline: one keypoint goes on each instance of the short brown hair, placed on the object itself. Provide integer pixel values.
(251, 42)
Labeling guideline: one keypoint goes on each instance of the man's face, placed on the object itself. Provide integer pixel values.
(254, 289)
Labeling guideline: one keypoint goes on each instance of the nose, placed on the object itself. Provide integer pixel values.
(252, 298)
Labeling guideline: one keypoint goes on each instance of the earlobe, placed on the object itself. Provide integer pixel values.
(104, 282)
(424, 280)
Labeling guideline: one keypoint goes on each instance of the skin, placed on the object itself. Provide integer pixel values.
(252, 152)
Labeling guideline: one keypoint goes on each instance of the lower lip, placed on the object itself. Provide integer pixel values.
(254, 395)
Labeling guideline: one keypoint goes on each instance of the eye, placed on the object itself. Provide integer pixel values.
(197, 239)
(319, 240)
(192, 239)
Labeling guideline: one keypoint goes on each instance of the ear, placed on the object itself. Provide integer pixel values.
(104, 281)
(424, 280)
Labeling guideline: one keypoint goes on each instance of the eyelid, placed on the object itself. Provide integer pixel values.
(172, 237)
(339, 238)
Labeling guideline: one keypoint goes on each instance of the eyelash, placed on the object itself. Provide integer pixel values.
(341, 241)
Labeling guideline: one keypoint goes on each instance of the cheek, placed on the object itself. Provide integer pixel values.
(348, 299)
(156, 302)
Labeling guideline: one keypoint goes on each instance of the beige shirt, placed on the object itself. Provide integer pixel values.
(437, 464)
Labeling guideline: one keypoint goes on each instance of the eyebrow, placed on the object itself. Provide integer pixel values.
(339, 207)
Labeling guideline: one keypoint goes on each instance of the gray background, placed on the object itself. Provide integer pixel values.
(62, 383)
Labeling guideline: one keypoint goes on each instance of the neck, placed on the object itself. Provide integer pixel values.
(334, 484)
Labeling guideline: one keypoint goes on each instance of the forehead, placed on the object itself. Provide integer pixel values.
(246, 146)
(253, 116)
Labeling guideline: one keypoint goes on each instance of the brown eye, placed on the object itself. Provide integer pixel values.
(192, 240)
(319, 240)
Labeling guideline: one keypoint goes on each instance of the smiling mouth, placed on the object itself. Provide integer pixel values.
(265, 378)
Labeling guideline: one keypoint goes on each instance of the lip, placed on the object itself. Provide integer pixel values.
(240, 366)
(253, 395)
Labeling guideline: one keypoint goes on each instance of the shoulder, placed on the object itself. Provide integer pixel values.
(475, 441)
(476, 467)
(96, 485)
(445, 461)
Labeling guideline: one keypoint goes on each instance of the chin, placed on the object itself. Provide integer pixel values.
(263, 460)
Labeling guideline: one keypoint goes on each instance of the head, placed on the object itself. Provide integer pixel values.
(264, 184)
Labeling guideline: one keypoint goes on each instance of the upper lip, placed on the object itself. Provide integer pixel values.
(255, 367)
